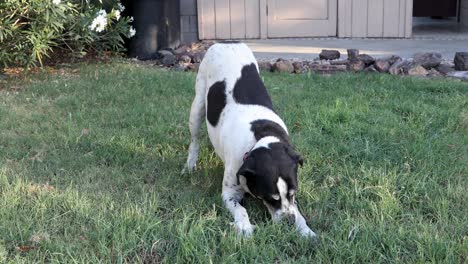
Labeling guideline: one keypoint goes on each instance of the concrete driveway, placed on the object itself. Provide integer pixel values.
(309, 49)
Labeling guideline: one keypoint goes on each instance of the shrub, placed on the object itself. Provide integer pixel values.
(33, 29)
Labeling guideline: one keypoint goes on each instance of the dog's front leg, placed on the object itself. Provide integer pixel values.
(301, 224)
(232, 196)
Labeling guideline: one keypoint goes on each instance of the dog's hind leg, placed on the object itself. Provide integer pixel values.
(197, 114)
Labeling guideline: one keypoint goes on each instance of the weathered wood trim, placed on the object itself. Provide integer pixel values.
(201, 29)
(252, 19)
(206, 19)
(409, 19)
(359, 18)
(222, 19)
(344, 18)
(237, 21)
(263, 19)
(333, 13)
(375, 19)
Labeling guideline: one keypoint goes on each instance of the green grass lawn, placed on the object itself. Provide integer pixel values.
(90, 171)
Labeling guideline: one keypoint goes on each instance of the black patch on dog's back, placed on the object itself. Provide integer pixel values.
(249, 88)
(216, 102)
(263, 128)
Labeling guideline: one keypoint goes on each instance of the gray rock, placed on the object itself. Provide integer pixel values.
(185, 59)
(371, 69)
(181, 50)
(417, 70)
(356, 65)
(166, 57)
(353, 54)
(162, 53)
(168, 60)
(462, 75)
(382, 65)
(180, 67)
(265, 66)
(319, 61)
(392, 59)
(400, 67)
(434, 73)
(327, 68)
(329, 55)
(461, 61)
(444, 68)
(298, 67)
(198, 57)
(339, 62)
(283, 66)
(208, 43)
(367, 59)
(428, 60)
(193, 67)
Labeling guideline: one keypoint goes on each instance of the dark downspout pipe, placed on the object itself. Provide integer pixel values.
(157, 24)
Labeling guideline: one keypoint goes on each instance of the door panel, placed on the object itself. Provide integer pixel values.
(302, 18)
(223, 23)
(391, 18)
(228, 19)
(237, 19)
(301, 9)
(252, 19)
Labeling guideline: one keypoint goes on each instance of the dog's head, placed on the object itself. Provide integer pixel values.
(270, 174)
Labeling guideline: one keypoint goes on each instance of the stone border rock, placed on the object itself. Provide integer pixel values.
(429, 64)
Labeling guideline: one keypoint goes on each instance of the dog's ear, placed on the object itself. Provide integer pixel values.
(300, 160)
(246, 170)
(295, 156)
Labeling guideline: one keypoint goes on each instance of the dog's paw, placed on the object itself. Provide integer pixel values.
(244, 229)
(188, 168)
(307, 232)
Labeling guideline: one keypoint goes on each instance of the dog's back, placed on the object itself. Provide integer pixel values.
(235, 96)
(224, 61)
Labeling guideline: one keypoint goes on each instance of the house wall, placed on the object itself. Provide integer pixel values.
(464, 12)
(223, 19)
(375, 18)
(188, 21)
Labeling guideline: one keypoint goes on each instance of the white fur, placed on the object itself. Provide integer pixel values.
(265, 142)
(231, 137)
(283, 190)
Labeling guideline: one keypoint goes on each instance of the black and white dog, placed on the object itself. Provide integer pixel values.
(247, 134)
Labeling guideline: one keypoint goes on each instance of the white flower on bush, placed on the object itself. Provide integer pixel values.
(121, 7)
(131, 32)
(102, 12)
(117, 14)
(130, 19)
(99, 23)
(56, 2)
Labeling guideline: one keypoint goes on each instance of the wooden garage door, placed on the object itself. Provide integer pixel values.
(302, 18)
(228, 19)
(375, 18)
